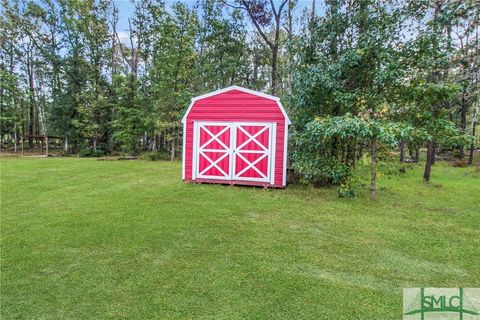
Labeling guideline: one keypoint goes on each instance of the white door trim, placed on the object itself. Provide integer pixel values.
(233, 149)
(265, 152)
(273, 154)
(197, 150)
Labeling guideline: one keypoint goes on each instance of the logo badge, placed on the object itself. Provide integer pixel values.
(441, 303)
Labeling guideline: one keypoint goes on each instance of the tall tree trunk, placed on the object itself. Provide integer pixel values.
(290, 19)
(65, 145)
(113, 23)
(373, 153)
(476, 109)
(428, 161)
(152, 144)
(23, 145)
(255, 64)
(463, 115)
(434, 151)
(94, 144)
(274, 70)
(411, 152)
(15, 136)
(402, 151)
(172, 150)
(46, 145)
(472, 146)
(31, 91)
(273, 45)
(313, 10)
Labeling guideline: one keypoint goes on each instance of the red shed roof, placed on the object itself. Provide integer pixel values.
(224, 90)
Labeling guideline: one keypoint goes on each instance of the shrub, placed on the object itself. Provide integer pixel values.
(460, 163)
(346, 190)
(154, 156)
(88, 153)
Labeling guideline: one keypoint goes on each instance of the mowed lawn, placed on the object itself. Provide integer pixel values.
(85, 239)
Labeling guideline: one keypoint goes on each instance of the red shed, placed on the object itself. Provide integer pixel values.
(236, 136)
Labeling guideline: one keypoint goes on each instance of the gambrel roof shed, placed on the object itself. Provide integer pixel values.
(236, 136)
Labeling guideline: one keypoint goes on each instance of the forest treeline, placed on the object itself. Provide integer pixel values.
(359, 78)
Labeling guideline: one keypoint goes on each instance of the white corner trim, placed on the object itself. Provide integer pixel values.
(273, 152)
(256, 93)
(285, 155)
(233, 150)
(287, 119)
(188, 111)
(184, 144)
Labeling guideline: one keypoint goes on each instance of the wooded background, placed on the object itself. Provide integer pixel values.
(358, 77)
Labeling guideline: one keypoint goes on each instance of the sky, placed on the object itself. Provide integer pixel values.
(126, 10)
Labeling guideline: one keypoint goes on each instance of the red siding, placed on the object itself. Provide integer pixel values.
(235, 105)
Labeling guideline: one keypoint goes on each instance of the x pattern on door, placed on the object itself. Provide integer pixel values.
(214, 151)
(238, 151)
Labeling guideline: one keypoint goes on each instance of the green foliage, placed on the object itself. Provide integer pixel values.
(350, 187)
(174, 58)
(131, 114)
(11, 103)
(90, 153)
(447, 135)
(385, 65)
(223, 56)
(154, 156)
(335, 76)
(312, 154)
(362, 73)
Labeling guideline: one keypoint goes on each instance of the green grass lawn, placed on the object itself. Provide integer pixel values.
(82, 238)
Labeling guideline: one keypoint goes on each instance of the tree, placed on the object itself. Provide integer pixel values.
(24, 20)
(348, 63)
(222, 52)
(464, 33)
(429, 93)
(313, 161)
(263, 15)
(94, 110)
(406, 68)
(12, 98)
(131, 119)
(173, 58)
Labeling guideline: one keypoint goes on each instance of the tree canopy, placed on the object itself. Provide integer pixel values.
(358, 77)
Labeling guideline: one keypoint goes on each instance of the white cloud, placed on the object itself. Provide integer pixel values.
(124, 37)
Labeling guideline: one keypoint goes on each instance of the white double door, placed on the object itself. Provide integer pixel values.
(234, 151)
